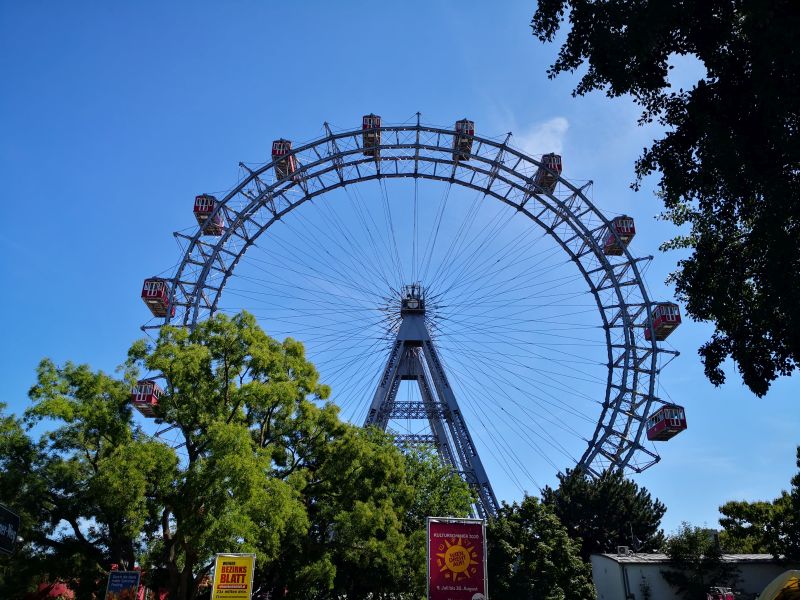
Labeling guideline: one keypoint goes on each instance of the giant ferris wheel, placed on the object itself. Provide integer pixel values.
(451, 289)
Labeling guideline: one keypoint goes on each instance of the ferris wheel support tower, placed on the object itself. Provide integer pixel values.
(413, 357)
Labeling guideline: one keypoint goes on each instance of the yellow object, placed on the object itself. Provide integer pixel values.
(785, 586)
(233, 577)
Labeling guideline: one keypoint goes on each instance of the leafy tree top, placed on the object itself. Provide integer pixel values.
(727, 162)
(696, 562)
(606, 512)
(531, 555)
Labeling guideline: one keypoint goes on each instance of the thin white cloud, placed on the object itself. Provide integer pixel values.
(539, 138)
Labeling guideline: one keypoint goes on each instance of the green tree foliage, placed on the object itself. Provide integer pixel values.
(265, 466)
(532, 556)
(752, 527)
(17, 490)
(696, 562)
(436, 494)
(764, 526)
(355, 539)
(728, 161)
(86, 489)
(791, 548)
(327, 507)
(241, 402)
(606, 512)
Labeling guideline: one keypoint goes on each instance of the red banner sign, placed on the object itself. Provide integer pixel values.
(456, 559)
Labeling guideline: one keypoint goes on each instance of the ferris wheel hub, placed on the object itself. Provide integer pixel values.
(412, 299)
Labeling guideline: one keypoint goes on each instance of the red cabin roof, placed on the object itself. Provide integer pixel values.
(666, 318)
(465, 127)
(623, 225)
(667, 422)
(371, 136)
(552, 161)
(370, 121)
(155, 294)
(145, 395)
(281, 147)
(548, 173)
(462, 140)
(624, 228)
(204, 206)
(287, 166)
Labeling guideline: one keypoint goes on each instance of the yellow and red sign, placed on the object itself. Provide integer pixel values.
(233, 577)
(456, 559)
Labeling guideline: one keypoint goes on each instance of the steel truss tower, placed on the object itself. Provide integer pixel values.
(414, 358)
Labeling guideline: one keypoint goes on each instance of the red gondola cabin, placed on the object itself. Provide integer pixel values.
(145, 396)
(155, 294)
(371, 134)
(667, 422)
(666, 317)
(625, 229)
(720, 593)
(548, 173)
(284, 167)
(462, 140)
(204, 206)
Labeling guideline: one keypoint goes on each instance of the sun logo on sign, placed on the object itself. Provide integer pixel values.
(457, 559)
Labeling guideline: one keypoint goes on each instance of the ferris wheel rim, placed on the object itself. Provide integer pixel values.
(616, 426)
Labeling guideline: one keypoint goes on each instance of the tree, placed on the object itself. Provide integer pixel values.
(696, 562)
(328, 508)
(86, 490)
(266, 466)
(791, 546)
(606, 512)
(531, 555)
(17, 454)
(240, 401)
(765, 526)
(437, 493)
(728, 161)
(752, 527)
(367, 526)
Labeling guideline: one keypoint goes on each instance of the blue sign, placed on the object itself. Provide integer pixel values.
(122, 585)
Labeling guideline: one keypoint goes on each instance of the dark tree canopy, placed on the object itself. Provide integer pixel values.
(696, 562)
(85, 490)
(531, 555)
(729, 161)
(606, 512)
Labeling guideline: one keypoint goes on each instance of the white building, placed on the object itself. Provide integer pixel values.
(626, 575)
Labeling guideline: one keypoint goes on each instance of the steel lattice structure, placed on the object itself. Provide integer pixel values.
(414, 357)
(495, 169)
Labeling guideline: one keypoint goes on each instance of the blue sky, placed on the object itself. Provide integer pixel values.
(113, 116)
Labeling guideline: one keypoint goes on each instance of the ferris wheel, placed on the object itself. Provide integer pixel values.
(451, 289)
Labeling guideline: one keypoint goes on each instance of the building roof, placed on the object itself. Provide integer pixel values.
(659, 558)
